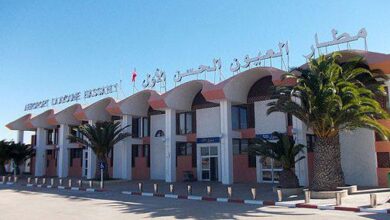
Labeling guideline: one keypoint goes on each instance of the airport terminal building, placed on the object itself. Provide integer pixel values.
(199, 129)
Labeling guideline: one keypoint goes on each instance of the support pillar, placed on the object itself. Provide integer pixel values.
(226, 154)
(63, 152)
(122, 153)
(301, 167)
(91, 160)
(170, 145)
(20, 137)
(40, 153)
(127, 153)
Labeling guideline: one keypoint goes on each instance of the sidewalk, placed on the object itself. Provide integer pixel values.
(358, 200)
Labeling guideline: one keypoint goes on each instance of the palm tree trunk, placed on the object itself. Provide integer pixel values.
(328, 173)
(98, 170)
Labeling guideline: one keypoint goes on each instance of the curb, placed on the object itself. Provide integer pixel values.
(65, 188)
(259, 202)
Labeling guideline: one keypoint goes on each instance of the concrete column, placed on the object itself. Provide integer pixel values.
(226, 154)
(20, 136)
(91, 160)
(170, 145)
(63, 152)
(126, 149)
(122, 153)
(301, 167)
(40, 153)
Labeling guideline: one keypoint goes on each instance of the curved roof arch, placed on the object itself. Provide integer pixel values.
(373, 59)
(95, 112)
(42, 120)
(137, 104)
(236, 88)
(21, 124)
(180, 97)
(65, 116)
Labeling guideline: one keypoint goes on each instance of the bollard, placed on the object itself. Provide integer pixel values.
(171, 188)
(141, 187)
(229, 192)
(29, 180)
(3, 179)
(280, 195)
(70, 183)
(80, 183)
(90, 184)
(51, 182)
(307, 196)
(373, 201)
(155, 188)
(15, 179)
(338, 198)
(253, 191)
(36, 180)
(9, 178)
(189, 190)
(43, 181)
(60, 182)
(101, 184)
(208, 190)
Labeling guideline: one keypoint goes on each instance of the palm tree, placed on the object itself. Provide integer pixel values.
(101, 138)
(4, 155)
(330, 96)
(19, 153)
(283, 150)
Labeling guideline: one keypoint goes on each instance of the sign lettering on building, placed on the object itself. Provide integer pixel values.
(73, 97)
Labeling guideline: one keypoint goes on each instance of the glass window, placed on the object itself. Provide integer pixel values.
(267, 176)
(236, 146)
(235, 118)
(180, 150)
(135, 128)
(189, 149)
(188, 123)
(49, 140)
(267, 163)
(244, 146)
(204, 151)
(243, 118)
(213, 150)
(182, 124)
(239, 117)
(145, 126)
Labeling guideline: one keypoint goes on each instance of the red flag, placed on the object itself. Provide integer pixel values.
(134, 75)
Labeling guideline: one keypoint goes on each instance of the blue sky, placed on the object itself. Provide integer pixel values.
(52, 48)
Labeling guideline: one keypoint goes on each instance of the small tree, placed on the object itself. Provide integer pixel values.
(19, 153)
(101, 138)
(4, 155)
(283, 150)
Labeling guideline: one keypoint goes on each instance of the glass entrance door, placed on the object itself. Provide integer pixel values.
(270, 170)
(209, 163)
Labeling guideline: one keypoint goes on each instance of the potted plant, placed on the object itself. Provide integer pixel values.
(285, 151)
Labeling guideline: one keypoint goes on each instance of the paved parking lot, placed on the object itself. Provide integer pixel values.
(34, 203)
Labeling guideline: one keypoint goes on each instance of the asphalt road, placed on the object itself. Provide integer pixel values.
(18, 203)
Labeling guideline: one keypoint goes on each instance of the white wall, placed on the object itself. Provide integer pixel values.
(358, 157)
(208, 122)
(157, 148)
(266, 124)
